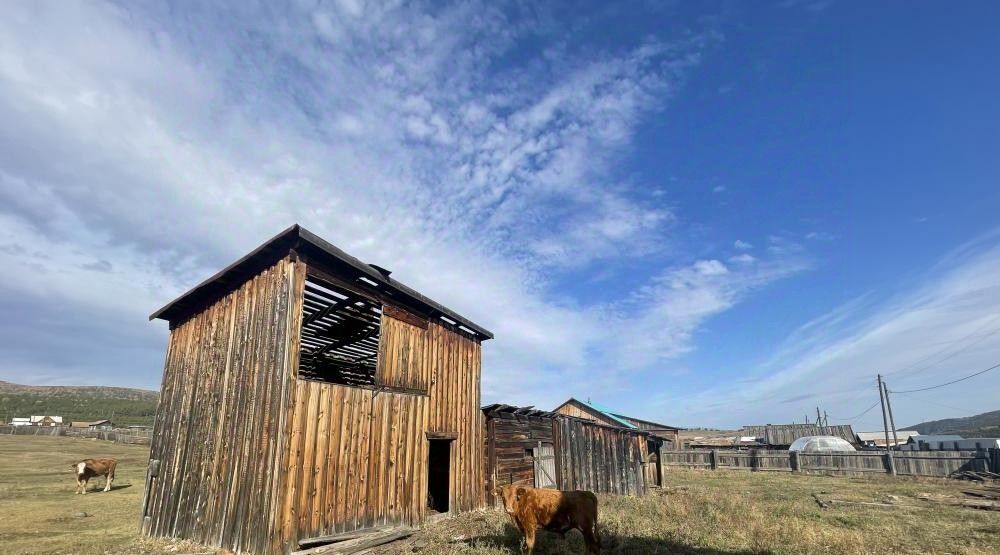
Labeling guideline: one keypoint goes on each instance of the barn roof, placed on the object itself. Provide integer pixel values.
(617, 419)
(500, 410)
(318, 251)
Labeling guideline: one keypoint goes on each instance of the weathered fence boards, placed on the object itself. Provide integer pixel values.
(941, 463)
(134, 437)
(913, 463)
(599, 458)
(759, 459)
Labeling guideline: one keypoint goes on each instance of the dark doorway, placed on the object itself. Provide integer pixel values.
(653, 449)
(438, 474)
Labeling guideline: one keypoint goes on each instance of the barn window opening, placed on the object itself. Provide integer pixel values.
(340, 335)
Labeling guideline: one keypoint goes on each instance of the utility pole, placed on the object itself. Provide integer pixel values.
(885, 428)
(819, 418)
(888, 405)
(885, 419)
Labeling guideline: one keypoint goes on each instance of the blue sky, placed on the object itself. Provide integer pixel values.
(706, 214)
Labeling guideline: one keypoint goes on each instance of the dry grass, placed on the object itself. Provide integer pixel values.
(733, 512)
(725, 512)
(38, 509)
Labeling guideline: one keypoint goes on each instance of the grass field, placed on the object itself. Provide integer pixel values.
(39, 512)
(702, 512)
(732, 512)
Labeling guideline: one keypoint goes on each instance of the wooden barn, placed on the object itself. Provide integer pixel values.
(781, 436)
(542, 449)
(307, 393)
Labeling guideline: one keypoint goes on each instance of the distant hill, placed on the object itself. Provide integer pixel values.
(986, 424)
(123, 405)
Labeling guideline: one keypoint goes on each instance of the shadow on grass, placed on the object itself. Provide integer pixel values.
(114, 487)
(548, 543)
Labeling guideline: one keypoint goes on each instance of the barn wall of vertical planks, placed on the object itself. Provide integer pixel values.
(588, 455)
(249, 456)
(220, 436)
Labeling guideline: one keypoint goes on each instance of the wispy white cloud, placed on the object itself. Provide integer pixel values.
(943, 328)
(143, 150)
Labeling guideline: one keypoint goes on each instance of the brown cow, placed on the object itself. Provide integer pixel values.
(553, 510)
(92, 468)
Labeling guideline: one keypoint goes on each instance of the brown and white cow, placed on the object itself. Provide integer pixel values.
(552, 510)
(92, 468)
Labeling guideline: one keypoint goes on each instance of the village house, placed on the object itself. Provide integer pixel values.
(46, 421)
(103, 424)
(307, 393)
(876, 440)
(591, 411)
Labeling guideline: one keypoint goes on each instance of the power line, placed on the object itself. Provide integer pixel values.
(947, 347)
(859, 415)
(994, 367)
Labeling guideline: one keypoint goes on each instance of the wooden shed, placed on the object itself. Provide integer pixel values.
(780, 436)
(530, 447)
(307, 393)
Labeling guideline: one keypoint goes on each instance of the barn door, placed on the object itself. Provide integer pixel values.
(545, 466)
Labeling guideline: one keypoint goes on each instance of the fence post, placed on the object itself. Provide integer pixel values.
(754, 462)
(713, 456)
(794, 461)
(890, 463)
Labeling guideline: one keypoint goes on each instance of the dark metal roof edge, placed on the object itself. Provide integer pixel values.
(513, 409)
(296, 235)
(615, 415)
(662, 426)
(376, 276)
(216, 276)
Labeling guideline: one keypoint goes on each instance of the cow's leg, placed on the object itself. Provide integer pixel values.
(83, 484)
(592, 538)
(107, 481)
(529, 539)
(79, 485)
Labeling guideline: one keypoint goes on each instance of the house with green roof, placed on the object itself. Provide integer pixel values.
(592, 411)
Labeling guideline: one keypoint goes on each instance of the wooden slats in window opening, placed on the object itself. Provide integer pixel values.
(340, 335)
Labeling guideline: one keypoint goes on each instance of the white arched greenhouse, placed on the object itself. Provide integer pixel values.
(820, 444)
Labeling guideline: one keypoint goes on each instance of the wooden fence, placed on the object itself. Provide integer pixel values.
(136, 437)
(904, 463)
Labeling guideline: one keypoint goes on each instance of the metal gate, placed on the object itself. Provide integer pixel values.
(545, 466)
